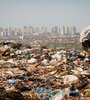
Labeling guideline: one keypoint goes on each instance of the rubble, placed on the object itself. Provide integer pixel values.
(43, 74)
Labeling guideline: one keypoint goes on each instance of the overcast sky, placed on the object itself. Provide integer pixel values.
(17, 13)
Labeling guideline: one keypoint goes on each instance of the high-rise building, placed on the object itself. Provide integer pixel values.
(67, 30)
(36, 30)
(31, 30)
(10, 31)
(1, 31)
(55, 30)
(62, 30)
(73, 30)
(43, 30)
(15, 32)
(6, 31)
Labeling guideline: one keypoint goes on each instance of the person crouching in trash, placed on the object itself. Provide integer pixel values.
(85, 41)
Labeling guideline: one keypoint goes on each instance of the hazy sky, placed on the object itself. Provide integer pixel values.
(17, 13)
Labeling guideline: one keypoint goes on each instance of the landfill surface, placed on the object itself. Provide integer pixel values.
(43, 73)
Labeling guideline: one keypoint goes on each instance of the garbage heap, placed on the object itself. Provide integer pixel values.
(43, 73)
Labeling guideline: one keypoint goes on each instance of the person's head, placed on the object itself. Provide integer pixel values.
(85, 38)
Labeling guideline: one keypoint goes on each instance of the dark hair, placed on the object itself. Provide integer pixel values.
(86, 44)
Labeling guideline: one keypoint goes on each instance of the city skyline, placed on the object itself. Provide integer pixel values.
(30, 30)
(49, 13)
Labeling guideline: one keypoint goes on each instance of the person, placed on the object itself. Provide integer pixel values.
(85, 40)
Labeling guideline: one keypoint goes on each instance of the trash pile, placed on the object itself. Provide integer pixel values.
(43, 73)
